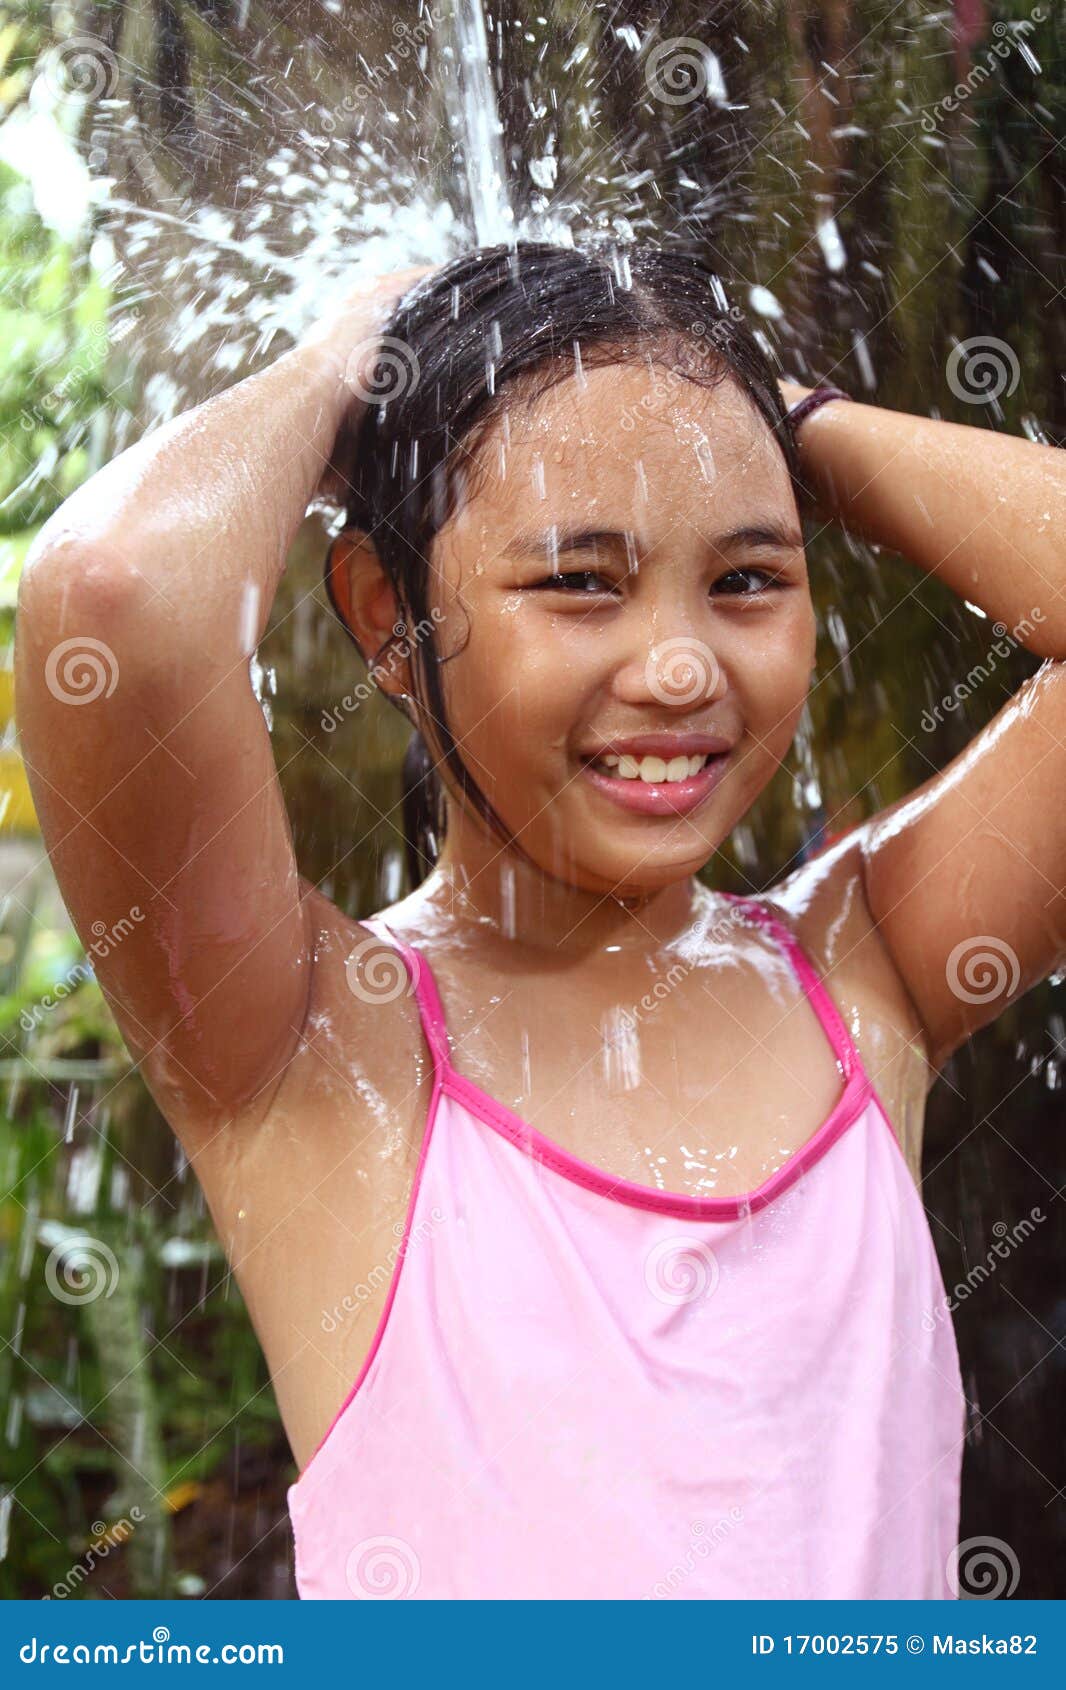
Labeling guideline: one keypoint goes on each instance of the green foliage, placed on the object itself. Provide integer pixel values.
(112, 1399)
(115, 1400)
(53, 364)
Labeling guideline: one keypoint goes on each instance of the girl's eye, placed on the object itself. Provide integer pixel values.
(576, 581)
(744, 582)
(739, 583)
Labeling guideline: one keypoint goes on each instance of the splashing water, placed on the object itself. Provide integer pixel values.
(326, 208)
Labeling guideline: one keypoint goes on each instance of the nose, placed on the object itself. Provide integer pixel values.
(666, 662)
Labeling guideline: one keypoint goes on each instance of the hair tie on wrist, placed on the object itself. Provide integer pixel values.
(802, 409)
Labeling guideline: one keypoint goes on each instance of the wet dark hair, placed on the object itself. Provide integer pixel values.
(490, 327)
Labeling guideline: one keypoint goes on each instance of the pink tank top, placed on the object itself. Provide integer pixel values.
(585, 1387)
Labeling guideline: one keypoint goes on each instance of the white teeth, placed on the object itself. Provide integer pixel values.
(650, 769)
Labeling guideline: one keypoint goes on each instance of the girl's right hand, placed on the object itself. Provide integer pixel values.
(349, 335)
(361, 313)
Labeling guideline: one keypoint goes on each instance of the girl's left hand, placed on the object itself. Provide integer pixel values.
(792, 392)
(964, 876)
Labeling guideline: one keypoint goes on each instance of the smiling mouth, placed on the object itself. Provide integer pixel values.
(653, 771)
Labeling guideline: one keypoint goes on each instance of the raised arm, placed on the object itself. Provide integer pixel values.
(147, 752)
(966, 877)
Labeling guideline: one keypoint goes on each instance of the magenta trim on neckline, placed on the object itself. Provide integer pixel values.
(849, 1106)
(857, 1093)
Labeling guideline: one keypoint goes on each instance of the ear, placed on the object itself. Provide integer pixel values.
(363, 597)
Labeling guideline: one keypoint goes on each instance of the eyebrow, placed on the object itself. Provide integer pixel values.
(766, 531)
(563, 540)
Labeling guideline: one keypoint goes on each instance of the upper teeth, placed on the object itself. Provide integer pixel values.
(651, 768)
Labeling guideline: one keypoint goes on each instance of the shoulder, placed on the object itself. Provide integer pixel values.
(357, 976)
(360, 1044)
(823, 903)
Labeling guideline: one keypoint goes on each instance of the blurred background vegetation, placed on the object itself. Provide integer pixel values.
(129, 1374)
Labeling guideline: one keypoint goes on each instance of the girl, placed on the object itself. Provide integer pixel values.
(599, 1184)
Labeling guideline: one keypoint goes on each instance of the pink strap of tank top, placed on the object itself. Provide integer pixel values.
(431, 1010)
(817, 995)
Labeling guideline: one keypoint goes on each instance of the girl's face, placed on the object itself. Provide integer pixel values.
(629, 562)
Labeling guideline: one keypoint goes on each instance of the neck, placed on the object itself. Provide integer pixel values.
(484, 884)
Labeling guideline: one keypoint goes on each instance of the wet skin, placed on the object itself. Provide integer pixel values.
(300, 1095)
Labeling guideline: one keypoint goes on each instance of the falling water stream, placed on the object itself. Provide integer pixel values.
(466, 76)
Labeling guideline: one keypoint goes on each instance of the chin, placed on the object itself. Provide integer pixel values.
(648, 875)
(623, 872)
